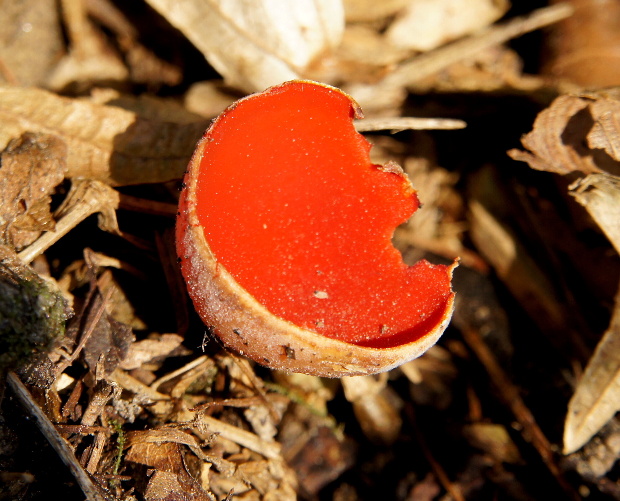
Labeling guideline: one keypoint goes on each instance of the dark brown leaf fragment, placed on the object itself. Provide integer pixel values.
(30, 169)
(105, 341)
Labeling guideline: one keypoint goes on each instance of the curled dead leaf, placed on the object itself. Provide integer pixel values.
(600, 195)
(576, 133)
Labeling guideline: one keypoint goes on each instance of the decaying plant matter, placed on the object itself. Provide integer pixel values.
(110, 375)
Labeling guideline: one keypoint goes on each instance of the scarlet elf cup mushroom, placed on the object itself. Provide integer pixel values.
(284, 238)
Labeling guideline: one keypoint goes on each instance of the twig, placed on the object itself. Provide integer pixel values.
(440, 473)
(54, 438)
(434, 61)
(509, 393)
(86, 197)
(397, 124)
(146, 206)
(270, 450)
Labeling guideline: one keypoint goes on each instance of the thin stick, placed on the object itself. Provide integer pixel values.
(434, 61)
(509, 393)
(57, 442)
(258, 385)
(397, 124)
(453, 489)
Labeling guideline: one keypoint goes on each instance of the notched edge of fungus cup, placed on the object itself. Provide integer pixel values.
(247, 327)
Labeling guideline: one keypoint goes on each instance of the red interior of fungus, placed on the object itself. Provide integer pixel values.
(293, 208)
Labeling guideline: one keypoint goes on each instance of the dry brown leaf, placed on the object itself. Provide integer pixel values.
(576, 133)
(103, 142)
(172, 486)
(30, 169)
(174, 435)
(426, 24)
(85, 197)
(149, 349)
(108, 340)
(597, 397)
(171, 481)
(256, 44)
(320, 457)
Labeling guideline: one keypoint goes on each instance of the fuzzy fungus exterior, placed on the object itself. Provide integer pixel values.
(284, 239)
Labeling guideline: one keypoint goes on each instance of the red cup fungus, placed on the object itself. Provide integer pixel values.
(284, 237)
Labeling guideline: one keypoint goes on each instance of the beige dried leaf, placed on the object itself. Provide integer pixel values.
(376, 407)
(597, 397)
(371, 10)
(576, 133)
(170, 478)
(605, 133)
(256, 44)
(600, 195)
(427, 24)
(103, 142)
